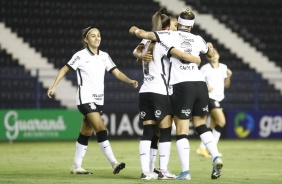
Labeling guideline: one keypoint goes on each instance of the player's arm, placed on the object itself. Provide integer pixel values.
(137, 52)
(64, 70)
(227, 80)
(185, 56)
(140, 33)
(122, 77)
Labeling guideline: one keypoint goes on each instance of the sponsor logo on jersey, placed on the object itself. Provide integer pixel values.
(186, 46)
(164, 45)
(142, 114)
(186, 112)
(149, 78)
(158, 113)
(98, 96)
(163, 32)
(75, 60)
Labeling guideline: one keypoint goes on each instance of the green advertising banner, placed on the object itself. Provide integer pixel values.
(37, 125)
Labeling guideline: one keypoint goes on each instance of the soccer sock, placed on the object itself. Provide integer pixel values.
(164, 148)
(183, 150)
(145, 146)
(208, 139)
(144, 152)
(153, 158)
(153, 152)
(105, 146)
(80, 150)
(164, 152)
(217, 133)
(108, 152)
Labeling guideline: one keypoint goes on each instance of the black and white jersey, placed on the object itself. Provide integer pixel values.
(183, 71)
(90, 69)
(215, 78)
(156, 72)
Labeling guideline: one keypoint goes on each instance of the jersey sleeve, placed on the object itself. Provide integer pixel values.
(110, 65)
(162, 36)
(203, 45)
(165, 49)
(74, 62)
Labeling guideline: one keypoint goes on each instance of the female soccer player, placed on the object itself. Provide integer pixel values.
(190, 93)
(217, 77)
(154, 99)
(90, 64)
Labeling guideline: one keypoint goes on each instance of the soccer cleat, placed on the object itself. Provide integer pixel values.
(166, 175)
(203, 152)
(118, 167)
(79, 170)
(216, 168)
(185, 175)
(149, 176)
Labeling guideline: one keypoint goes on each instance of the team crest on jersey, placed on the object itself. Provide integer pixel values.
(142, 114)
(206, 108)
(75, 60)
(158, 113)
(187, 112)
(92, 106)
(187, 46)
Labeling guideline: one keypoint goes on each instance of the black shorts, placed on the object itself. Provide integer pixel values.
(214, 104)
(90, 107)
(153, 106)
(190, 99)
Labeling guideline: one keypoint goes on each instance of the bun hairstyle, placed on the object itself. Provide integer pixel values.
(187, 14)
(186, 18)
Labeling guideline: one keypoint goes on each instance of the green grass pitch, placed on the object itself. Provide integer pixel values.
(245, 161)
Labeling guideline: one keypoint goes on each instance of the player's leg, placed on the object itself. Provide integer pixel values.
(164, 148)
(154, 151)
(96, 120)
(81, 146)
(219, 121)
(183, 147)
(200, 111)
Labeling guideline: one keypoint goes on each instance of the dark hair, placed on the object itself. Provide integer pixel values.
(187, 14)
(85, 31)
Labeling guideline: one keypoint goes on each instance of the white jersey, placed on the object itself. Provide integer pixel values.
(155, 72)
(215, 78)
(186, 42)
(90, 69)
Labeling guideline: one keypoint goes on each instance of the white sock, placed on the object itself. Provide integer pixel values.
(164, 154)
(202, 145)
(153, 157)
(208, 140)
(108, 152)
(144, 152)
(183, 150)
(80, 151)
(216, 135)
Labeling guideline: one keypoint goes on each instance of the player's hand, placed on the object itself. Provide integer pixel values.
(133, 83)
(147, 56)
(229, 72)
(50, 92)
(132, 30)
